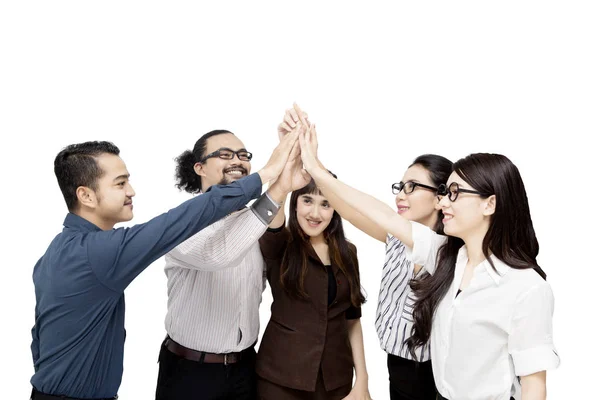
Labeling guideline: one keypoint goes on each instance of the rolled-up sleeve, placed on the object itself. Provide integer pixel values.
(426, 245)
(530, 338)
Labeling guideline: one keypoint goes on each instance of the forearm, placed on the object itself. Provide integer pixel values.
(355, 336)
(356, 218)
(377, 212)
(533, 387)
(279, 196)
(213, 249)
(119, 255)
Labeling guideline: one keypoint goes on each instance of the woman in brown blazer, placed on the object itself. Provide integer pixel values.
(313, 340)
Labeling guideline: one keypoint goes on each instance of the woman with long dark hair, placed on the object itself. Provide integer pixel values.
(486, 309)
(313, 341)
(410, 372)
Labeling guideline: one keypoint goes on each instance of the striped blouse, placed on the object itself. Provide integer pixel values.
(394, 320)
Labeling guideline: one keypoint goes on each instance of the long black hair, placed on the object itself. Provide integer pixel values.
(510, 237)
(294, 264)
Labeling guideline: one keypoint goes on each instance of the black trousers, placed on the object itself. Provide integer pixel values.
(181, 379)
(410, 380)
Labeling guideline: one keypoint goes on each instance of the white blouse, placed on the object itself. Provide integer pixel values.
(498, 329)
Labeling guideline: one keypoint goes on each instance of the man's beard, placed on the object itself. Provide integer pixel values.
(226, 180)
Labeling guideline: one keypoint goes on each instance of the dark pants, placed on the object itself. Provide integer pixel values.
(181, 379)
(271, 391)
(410, 380)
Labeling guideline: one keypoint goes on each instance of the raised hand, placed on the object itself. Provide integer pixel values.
(308, 150)
(290, 120)
(279, 157)
(293, 176)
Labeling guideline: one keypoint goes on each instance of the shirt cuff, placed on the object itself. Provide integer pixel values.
(265, 208)
(530, 361)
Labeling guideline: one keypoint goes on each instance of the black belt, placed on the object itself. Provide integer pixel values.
(37, 395)
(202, 356)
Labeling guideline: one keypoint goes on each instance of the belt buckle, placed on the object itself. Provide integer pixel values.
(225, 359)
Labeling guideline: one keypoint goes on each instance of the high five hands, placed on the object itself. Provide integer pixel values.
(305, 153)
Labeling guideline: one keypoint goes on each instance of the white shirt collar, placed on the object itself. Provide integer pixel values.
(501, 267)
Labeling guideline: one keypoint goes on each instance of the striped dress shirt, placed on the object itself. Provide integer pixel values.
(394, 320)
(215, 284)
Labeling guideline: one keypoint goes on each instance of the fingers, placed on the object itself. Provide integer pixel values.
(293, 114)
(284, 127)
(303, 142)
(302, 114)
(291, 138)
(289, 119)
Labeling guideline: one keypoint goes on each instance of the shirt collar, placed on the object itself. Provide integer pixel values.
(74, 221)
(501, 268)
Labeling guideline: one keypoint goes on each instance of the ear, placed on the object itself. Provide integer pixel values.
(436, 203)
(87, 197)
(199, 169)
(489, 205)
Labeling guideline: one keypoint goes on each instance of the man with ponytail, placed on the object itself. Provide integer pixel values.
(215, 281)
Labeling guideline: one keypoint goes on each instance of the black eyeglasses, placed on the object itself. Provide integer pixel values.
(227, 154)
(452, 191)
(409, 187)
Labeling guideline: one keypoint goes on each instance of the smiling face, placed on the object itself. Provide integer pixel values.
(217, 171)
(111, 202)
(470, 213)
(420, 205)
(313, 213)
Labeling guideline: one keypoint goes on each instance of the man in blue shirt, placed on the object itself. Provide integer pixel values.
(79, 333)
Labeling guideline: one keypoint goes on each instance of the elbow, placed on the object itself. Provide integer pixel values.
(206, 263)
(216, 264)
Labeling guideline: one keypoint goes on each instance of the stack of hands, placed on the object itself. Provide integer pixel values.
(294, 160)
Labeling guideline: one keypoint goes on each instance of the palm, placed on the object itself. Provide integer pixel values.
(292, 178)
(299, 179)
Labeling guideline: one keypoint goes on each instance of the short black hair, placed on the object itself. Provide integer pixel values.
(76, 165)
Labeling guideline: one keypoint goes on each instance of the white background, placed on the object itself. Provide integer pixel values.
(384, 81)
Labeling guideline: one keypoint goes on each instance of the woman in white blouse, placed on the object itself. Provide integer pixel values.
(410, 371)
(487, 310)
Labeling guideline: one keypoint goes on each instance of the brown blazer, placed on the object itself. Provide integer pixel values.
(305, 335)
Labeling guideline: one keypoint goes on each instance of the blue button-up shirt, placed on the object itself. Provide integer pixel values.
(79, 331)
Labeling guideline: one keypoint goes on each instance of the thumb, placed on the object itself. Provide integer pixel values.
(289, 140)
